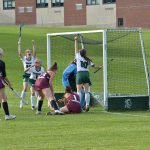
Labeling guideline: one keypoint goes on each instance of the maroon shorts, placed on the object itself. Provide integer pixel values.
(74, 107)
(2, 83)
(41, 83)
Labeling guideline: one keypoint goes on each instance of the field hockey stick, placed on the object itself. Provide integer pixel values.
(102, 66)
(16, 93)
(20, 32)
(81, 41)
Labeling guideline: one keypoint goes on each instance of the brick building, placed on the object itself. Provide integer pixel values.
(58, 12)
(105, 13)
(133, 13)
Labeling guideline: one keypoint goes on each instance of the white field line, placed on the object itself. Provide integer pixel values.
(114, 113)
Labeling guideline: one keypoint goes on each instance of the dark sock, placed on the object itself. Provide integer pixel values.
(54, 105)
(40, 103)
(5, 107)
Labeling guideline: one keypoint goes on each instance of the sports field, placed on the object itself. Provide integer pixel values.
(95, 130)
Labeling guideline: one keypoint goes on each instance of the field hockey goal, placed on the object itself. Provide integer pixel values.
(123, 82)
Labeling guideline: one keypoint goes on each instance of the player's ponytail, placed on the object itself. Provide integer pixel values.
(53, 67)
(83, 54)
(68, 90)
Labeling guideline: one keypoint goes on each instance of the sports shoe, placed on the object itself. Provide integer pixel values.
(21, 104)
(33, 107)
(10, 117)
(55, 113)
(87, 108)
(38, 113)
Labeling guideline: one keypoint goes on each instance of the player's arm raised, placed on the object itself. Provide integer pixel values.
(76, 44)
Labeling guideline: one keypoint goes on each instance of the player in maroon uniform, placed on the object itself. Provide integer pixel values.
(3, 80)
(44, 87)
(71, 101)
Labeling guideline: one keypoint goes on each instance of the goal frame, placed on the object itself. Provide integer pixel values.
(105, 81)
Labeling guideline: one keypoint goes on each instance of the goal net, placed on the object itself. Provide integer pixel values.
(124, 76)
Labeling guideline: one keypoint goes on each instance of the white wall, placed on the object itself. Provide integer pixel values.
(50, 15)
(103, 15)
(6, 16)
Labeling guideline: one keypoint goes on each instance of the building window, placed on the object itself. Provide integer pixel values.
(41, 3)
(8, 4)
(109, 1)
(92, 2)
(57, 3)
(120, 22)
(21, 10)
(29, 9)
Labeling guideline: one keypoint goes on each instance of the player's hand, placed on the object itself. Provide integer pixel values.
(33, 42)
(60, 100)
(75, 38)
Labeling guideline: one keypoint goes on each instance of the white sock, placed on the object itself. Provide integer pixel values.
(23, 94)
(89, 90)
(79, 93)
(87, 98)
(32, 100)
(36, 93)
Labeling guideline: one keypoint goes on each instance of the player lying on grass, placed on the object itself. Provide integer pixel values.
(69, 80)
(44, 87)
(71, 102)
(3, 97)
(35, 71)
(83, 78)
(27, 61)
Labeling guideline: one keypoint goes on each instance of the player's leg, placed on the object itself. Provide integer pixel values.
(79, 89)
(3, 97)
(82, 102)
(79, 82)
(32, 97)
(87, 96)
(25, 87)
(23, 93)
(50, 98)
(40, 101)
(64, 109)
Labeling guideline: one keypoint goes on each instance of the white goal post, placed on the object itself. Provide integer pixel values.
(123, 57)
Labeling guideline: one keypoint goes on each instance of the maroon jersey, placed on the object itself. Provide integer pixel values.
(42, 81)
(2, 74)
(73, 103)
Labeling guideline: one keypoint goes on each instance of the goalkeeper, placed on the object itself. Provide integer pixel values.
(69, 80)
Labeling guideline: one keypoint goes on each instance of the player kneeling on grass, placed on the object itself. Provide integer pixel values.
(35, 71)
(44, 87)
(71, 102)
(3, 97)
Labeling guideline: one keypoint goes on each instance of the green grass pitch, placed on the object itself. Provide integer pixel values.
(95, 130)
